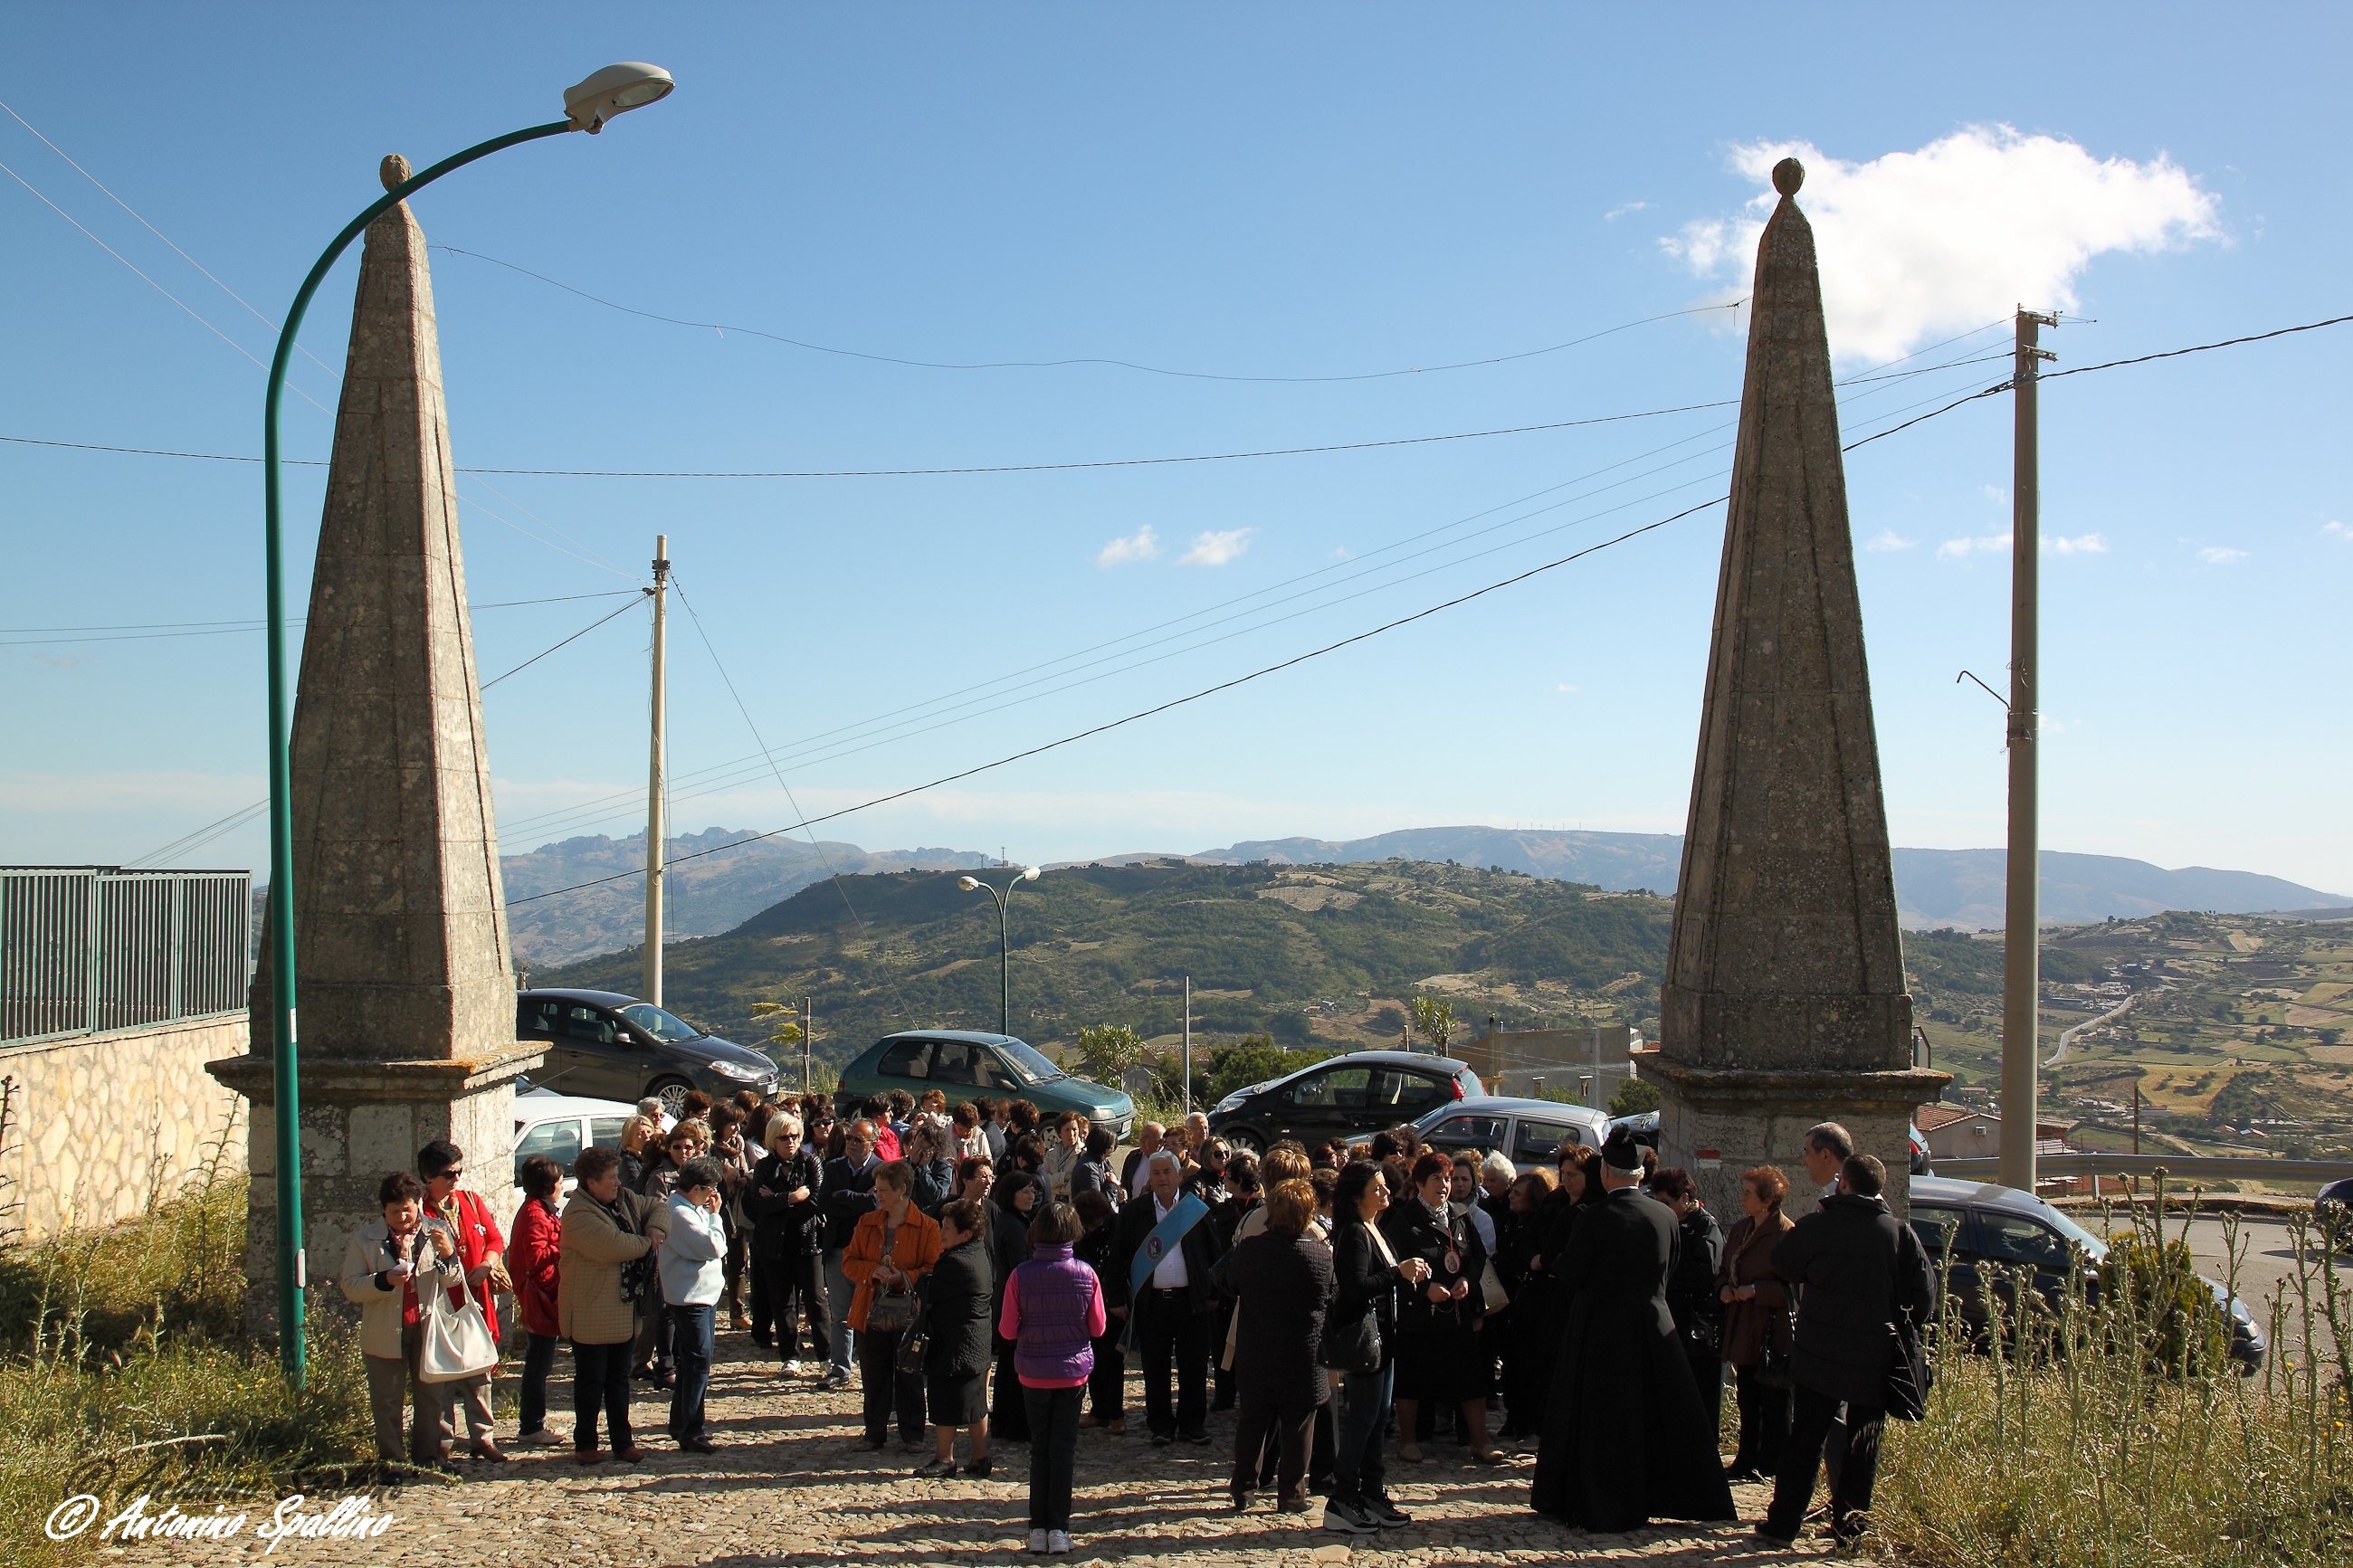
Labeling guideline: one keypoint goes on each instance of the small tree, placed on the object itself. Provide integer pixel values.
(1633, 1097)
(788, 1033)
(1434, 1020)
(1111, 1050)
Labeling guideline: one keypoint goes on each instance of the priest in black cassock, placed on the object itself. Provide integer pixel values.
(1626, 1439)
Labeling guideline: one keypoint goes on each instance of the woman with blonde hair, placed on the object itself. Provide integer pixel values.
(1756, 1317)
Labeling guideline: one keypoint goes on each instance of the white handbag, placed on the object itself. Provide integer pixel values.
(458, 1343)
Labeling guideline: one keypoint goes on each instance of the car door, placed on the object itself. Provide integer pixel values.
(906, 1065)
(1473, 1132)
(1326, 1103)
(2011, 1244)
(608, 1063)
(958, 1065)
(558, 1139)
(1402, 1095)
(539, 1021)
(1536, 1141)
(1948, 1237)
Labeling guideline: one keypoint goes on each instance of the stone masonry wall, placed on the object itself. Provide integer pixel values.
(99, 1124)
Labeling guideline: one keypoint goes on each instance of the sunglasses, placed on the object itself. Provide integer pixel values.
(452, 1175)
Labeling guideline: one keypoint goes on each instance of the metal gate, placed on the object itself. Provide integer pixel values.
(89, 949)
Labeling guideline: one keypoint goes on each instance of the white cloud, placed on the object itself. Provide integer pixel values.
(1999, 543)
(1142, 546)
(1889, 541)
(1565, 687)
(1614, 214)
(2221, 555)
(1916, 246)
(1962, 549)
(2337, 531)
(1215, 548)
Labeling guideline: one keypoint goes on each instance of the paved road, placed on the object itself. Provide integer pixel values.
(2067, 1040)
(2266, 1251)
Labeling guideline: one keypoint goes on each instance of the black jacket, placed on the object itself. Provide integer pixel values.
(1099, 1250)
(958, 1294)
(1414, 1232)
(1284, 1288)
(1691, 1288)
(1094, 1176)
(844, 1195)
(1201, 1247)
(1859, 1266)
(780, 1228)
(1362, 1284)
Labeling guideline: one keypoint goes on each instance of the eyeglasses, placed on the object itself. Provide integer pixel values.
(452, 1175)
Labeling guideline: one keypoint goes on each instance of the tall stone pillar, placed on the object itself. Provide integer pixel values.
(406, 986)
(1784, 1002)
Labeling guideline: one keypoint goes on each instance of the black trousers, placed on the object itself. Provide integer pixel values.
(1764, 1423)
(1009, 1404)
(795, 1284)
(600, 1385)
(1287, 1424)
(1793, 1487)
(1053, 1417)
(886, 1389)
(1170, 1332)
(1107, 1385)
(1707, 1371)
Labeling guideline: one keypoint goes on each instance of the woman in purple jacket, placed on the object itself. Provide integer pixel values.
(1053, 1313)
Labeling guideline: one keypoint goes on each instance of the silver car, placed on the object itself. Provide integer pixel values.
(1530, 1132)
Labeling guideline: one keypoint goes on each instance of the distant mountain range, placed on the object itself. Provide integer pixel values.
(705, 896)
(1934, 888)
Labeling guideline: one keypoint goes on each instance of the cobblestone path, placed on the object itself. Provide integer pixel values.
(793, 1483)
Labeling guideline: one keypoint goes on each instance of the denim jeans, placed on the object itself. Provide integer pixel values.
(839, 1293)
(601, 1382)
(691, 1333)
(1053, 1453)
(1358, 1471)
(538, 1361)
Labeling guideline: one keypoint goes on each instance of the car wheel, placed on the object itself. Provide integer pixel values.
(1246, 1138)
(672, 1093)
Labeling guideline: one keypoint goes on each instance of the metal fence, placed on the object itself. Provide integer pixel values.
(89, 949)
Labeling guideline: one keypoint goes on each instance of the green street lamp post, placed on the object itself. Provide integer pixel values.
(1004, 942)
(614, 91)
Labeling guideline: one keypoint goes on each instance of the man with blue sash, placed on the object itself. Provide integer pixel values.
(1168, 1254)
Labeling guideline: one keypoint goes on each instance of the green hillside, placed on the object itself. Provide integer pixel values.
(1322, 954)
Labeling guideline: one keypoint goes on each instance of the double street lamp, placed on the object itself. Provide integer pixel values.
(587, 106)
(1004, 940)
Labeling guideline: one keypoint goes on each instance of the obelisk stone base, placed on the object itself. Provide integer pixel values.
(360, 1121)
(1716, 1122)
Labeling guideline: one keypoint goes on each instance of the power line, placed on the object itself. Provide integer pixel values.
(724, 327)
(2197, 349)
(574, 637)
(217, 629)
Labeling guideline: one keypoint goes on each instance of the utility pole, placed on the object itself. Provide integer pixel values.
(651, 985)
(2021, 973)
(807, 1024)
(2136, 1116)
(1495, 1056)
(1188, 1045)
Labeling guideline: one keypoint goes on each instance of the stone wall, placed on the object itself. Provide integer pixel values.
(100, 1124)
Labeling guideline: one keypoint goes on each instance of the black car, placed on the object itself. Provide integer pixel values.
(604, 1045)
(1350, 1097)
(1967, 1225)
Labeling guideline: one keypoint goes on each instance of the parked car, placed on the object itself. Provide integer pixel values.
(965, 1064)
(1967, 1225)
(1919, 1150)
(560, 1125)
(1349, 1096)
(1531, 1132)
(602, 1043)
(1642, 1127)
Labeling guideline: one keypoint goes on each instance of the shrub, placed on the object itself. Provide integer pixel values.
(1633, 1097)
(1255, 1059)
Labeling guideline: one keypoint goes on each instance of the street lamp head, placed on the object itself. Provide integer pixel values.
(969, 884)
(614, 91)
(1031, 874)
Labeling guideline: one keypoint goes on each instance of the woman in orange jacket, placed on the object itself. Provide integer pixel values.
(889, 1254)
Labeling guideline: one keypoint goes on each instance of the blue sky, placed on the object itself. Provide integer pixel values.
(1303, 193)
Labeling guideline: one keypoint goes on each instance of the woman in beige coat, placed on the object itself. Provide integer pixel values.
(395, 1270)
(604, 1228)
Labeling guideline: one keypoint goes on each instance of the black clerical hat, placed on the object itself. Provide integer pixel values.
(1620, 1153)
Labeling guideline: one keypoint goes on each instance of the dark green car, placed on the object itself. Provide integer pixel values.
(964, 1066)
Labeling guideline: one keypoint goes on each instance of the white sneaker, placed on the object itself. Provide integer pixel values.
(1037, 1540)
(1058, 1543)
(543, 1438)
(790, 1369)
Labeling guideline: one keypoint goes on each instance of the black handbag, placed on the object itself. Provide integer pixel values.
(889, 1312)
(916, 1342)
(1773, 1361)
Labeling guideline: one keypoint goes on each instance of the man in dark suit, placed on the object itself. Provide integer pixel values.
(1171, 1306)
(1626, 1439)
(1862, 1267)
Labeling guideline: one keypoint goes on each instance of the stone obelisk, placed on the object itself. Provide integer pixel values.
(1784, 1002)
(407, 985)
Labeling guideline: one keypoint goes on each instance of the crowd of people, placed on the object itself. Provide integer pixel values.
(983, 1276)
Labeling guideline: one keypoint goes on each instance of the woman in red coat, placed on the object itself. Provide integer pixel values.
(530, 1259)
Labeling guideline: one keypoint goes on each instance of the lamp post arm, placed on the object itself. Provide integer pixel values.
(288, 1109)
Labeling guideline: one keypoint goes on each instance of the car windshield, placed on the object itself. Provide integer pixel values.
(661, 1026)
(2094, 1247)
(1023, 1059)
